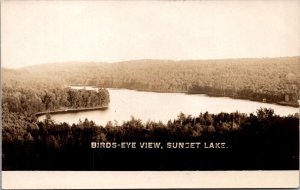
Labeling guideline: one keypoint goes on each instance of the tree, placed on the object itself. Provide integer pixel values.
(264, 113)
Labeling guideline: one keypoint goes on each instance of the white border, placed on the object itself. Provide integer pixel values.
(149, 179)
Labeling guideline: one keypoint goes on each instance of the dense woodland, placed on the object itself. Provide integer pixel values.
(22, 100)
(256, 141)
(30, 100)
(262, 141)
(270, 79)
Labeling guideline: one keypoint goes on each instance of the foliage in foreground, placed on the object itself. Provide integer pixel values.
(261, 141)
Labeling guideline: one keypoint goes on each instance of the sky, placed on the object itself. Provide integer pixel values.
(36, 32)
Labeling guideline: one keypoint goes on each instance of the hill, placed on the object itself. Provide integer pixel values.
(263, 79)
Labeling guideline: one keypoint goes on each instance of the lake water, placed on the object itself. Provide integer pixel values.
(163, 107)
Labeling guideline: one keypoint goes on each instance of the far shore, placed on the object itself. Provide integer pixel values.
(282, 103)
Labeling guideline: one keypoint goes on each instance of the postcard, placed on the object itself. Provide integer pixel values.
(150, 94)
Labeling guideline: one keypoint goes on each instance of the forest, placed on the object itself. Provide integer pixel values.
(261, 141)
(22, 100)
(30, 101)
(274, 80)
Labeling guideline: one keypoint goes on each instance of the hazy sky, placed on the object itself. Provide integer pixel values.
(34, 32)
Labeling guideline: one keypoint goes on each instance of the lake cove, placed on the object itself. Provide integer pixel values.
(158, 106)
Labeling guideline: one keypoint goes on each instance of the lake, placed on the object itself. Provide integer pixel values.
(156, 106)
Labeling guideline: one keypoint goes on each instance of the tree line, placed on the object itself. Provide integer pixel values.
(257, 141)
(28, 100)
(20, 103)
(270, 79)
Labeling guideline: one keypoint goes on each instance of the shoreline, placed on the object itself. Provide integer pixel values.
(282, 103)
(70, 110)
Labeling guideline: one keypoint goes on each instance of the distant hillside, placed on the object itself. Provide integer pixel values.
(267, 79)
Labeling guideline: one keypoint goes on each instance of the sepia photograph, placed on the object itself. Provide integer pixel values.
(172, 92)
